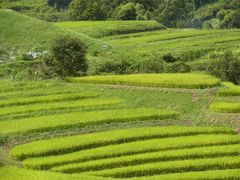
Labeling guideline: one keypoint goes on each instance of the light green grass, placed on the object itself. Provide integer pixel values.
(15, 173)
(80, 142)
(23, 33)
(229, 89)
(85, 103)
(48, 98)
(47, 123)
(177, 80)
(107, 28)
(194, 153)
(227, 162)
(130, 149)
(226, 107)
(198, 175)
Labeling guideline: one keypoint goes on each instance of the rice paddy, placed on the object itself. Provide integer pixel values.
(133, 127)
(139, 152)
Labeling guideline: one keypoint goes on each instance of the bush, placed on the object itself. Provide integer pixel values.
(178, 67)
(67, 57)
(227, 67)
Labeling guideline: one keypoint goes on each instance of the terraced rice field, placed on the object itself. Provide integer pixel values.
(104, 132)
(181, 80)
(139, 153)
(107, 28)
(161, 42)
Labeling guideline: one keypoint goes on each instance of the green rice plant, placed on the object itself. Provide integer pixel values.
(17, 173)
(197, 175)
(226, 107)
(130, 149)
(56, 105)
(63, 145)
(81, 119)
(220, 163)
(177, 80)
(229, 89)
(192, 153)
(48, 98)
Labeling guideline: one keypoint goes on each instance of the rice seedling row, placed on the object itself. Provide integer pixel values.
(197, 175)
(229, 90)
(48, 98)
(63, 145)
(226, 162)
(131, 148)
(186, 80)
(226, 107)
(124, 161)
(56, 105)
(81, 119)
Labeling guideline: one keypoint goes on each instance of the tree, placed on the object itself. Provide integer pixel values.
(59, 4)
(67, 57)
(89, 9)
(173, 12)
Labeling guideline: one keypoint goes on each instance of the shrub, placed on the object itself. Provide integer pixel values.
(67, 57)
(226, 67)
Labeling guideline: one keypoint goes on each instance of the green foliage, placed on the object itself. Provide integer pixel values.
(184, 80)
(226, 67)
(172, 12)
(67, 57)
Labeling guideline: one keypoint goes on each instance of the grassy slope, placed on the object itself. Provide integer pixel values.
(23, 33)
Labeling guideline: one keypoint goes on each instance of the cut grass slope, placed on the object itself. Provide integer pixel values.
(226, 107)
(131, 148)
(177, 80)
(53, 122)
(107, 28)
(73, 143)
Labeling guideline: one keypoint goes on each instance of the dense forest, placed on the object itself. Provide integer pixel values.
(209, 14)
